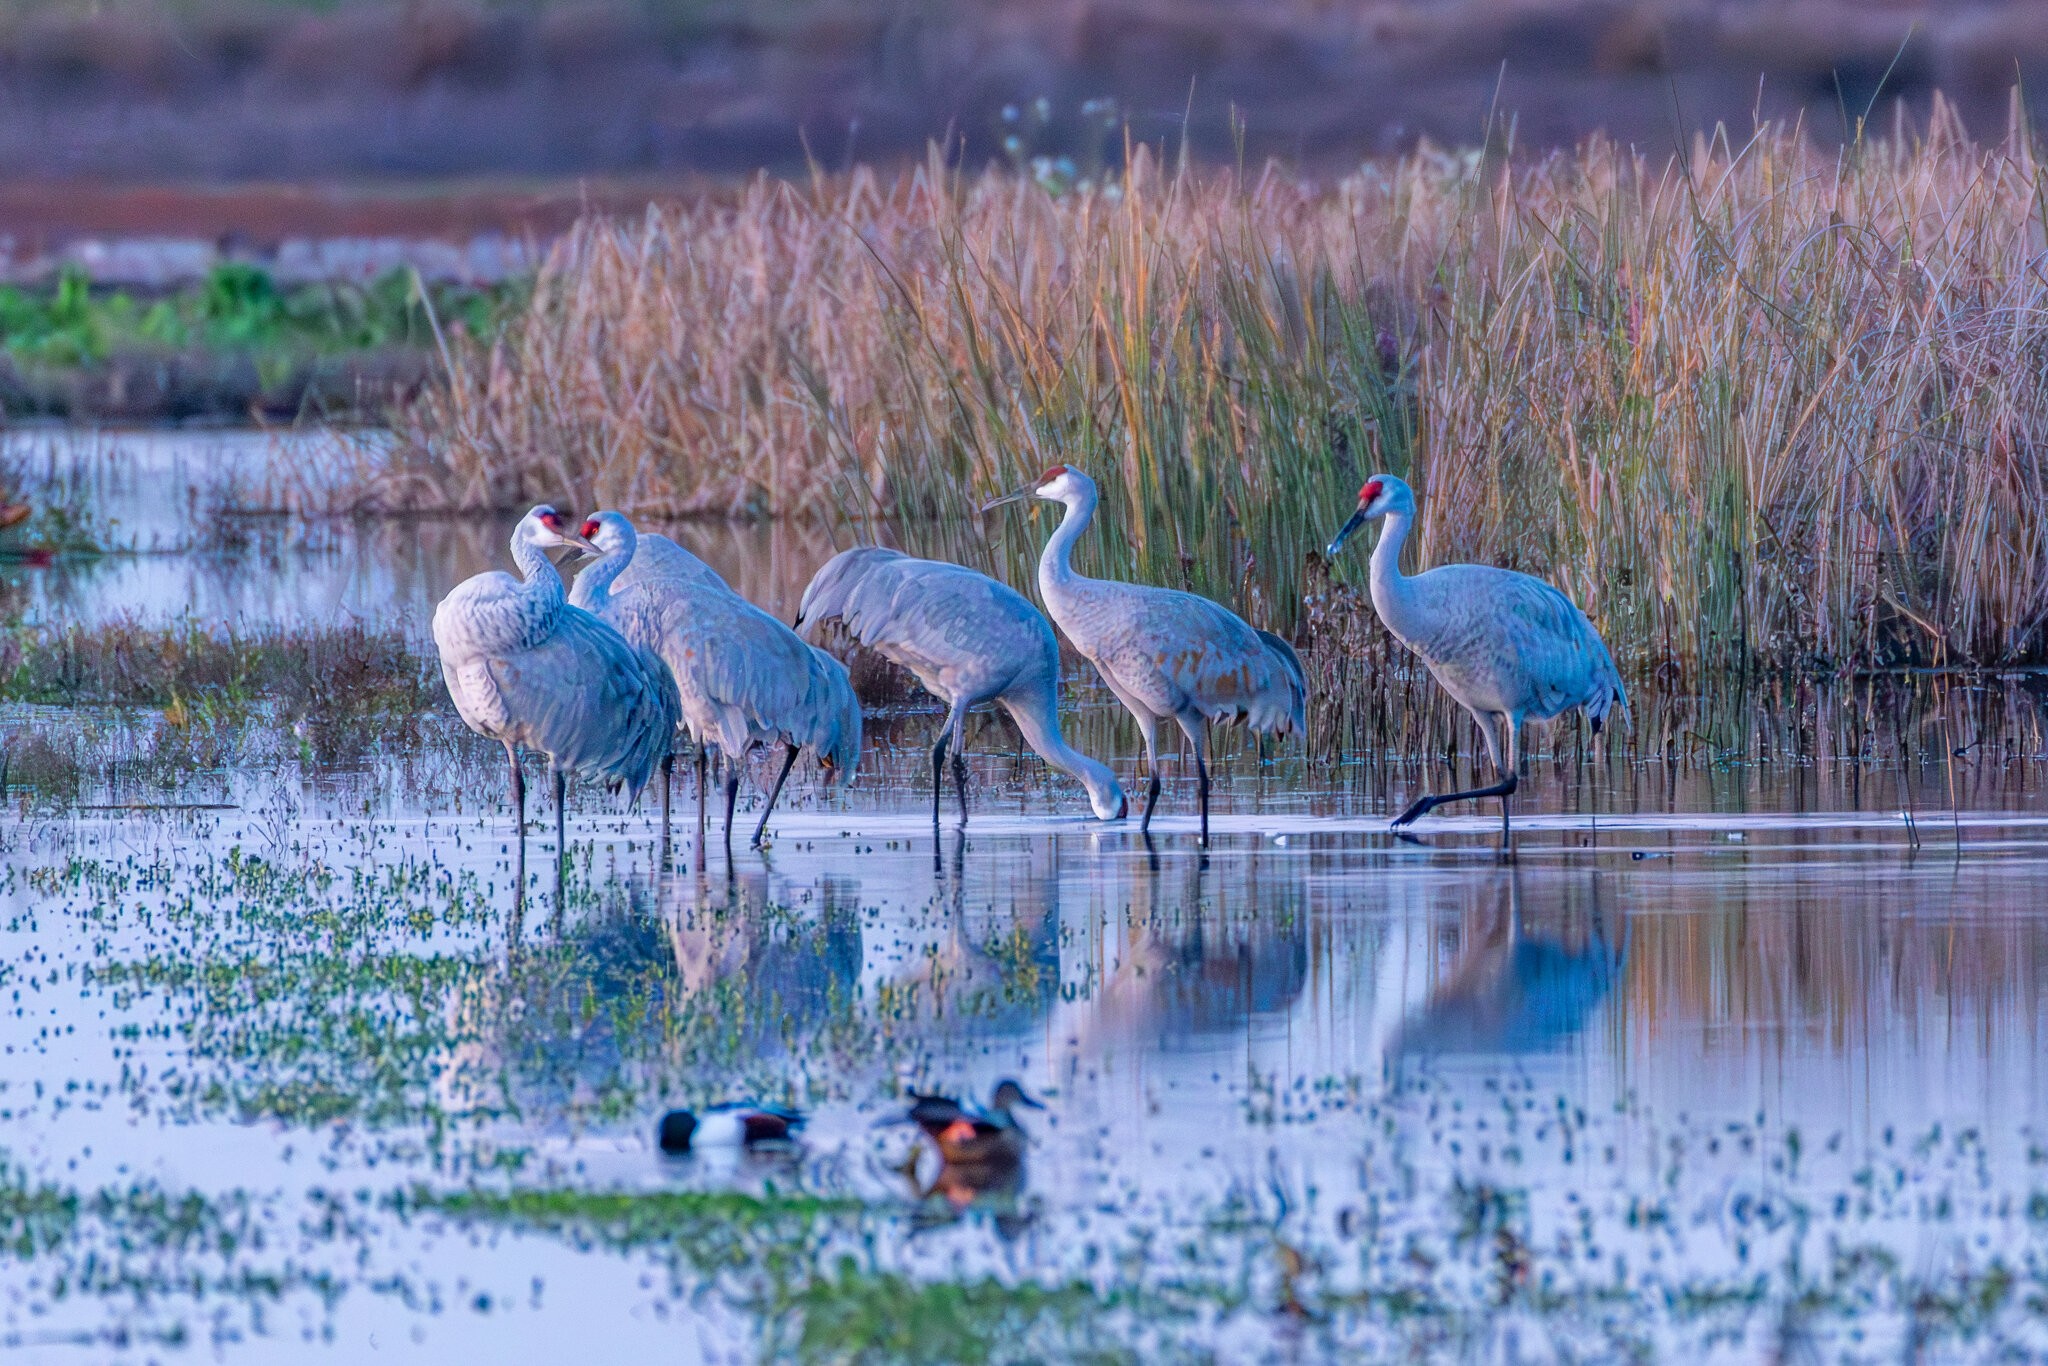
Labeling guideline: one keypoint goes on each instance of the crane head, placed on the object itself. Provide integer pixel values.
(1055, 483)
(545, 527)
(1382, 493)
(607, 533)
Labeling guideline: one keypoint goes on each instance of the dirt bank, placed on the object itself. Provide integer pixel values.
(232, 90)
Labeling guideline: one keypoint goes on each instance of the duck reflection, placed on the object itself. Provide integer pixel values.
(1520, 983)
(981, 1153)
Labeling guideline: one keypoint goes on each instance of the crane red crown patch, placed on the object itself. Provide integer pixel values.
(1370, 491)
(1055, 472)
(589, 528)
(551, 519)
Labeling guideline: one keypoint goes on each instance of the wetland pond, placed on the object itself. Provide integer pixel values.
(1730, 1063)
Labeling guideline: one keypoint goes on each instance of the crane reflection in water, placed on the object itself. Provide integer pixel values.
(1526, 980)
(1188, 961)
(690, 976)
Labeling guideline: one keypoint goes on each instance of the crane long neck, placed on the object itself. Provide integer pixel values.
(1039, 720)
(544, 591)
(1056, 565)
(594, 582)
(1393, 593)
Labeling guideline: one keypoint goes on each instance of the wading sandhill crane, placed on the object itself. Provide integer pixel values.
(1505, 646)
(527, 668)
(745, 679)
(1164, 653)
(969, 640)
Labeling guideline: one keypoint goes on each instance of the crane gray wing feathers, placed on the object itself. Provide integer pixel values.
(657, 557)
(487, 612)
(744, 678)
(1178, 651)
(1505, 624)
(586, 696)
(962, 632)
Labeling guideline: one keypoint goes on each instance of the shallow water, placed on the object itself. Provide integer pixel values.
(1731, 1062)
(157, 496)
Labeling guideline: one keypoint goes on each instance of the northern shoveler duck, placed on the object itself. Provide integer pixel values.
(728, 1126)
(970, 1134)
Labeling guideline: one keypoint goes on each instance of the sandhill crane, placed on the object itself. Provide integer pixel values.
(1164, 653)
(745, 678)
(1507, 647)
(969, 640)
(527, 668)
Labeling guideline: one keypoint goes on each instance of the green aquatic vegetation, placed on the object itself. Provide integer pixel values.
(202, 670)
(784, 1257)
(633, 1220)
(301, 993)
(358, 976)
(855, 1315)
(304, 992)
(239, 308)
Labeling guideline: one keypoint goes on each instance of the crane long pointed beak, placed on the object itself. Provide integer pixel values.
(581, 546)
(1014, 496)
(1344, 533)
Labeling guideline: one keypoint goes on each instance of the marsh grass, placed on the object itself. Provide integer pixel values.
(194, 669)
(1762, 406)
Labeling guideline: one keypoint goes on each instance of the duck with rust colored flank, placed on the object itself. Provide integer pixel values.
(967, 1134)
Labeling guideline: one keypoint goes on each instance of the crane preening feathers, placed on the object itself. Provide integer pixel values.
(969, 640)
(1507, 647)
(526, 668)
(1164, 653)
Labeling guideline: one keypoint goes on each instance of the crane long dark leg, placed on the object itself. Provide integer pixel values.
(703, 802)
(1196, 728)
(1149, 730)
(960, 782)
(1424, 805)
(1511, 739)
(788, 762)
(518, 792)
(950, 734)
(561, 781)
(668, 775)
(1502, 763)
(519, 827)
(732, 796)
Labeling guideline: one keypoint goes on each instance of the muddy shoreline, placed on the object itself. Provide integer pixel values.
(172, 387)
(220, 92)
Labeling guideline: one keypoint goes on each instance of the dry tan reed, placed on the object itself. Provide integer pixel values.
(1764, 405)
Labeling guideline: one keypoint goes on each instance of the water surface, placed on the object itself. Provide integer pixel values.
(1731, 1061)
